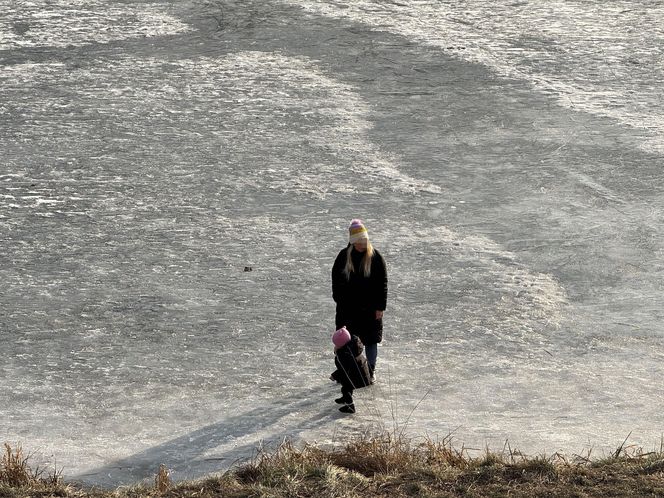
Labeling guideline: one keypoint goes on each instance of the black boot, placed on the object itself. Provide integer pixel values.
(348, 408)
(346, 397)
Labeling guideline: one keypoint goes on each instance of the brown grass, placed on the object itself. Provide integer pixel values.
(14, 468)
(383, 466)
(162, 481)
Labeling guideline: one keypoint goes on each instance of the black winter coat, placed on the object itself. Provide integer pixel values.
(352, 368)
(359, 297)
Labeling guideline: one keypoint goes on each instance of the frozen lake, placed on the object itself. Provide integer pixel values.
(505, 156)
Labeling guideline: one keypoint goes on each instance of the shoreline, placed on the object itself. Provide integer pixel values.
(387, 465)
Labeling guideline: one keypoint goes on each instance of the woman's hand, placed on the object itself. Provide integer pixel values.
(379, 315)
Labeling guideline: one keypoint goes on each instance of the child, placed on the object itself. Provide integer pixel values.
(352, 370)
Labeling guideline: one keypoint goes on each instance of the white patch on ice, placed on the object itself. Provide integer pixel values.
(603, 191)
(249, 103)
(588, 54)
(301, 86)
(479, 284)
(61, 23)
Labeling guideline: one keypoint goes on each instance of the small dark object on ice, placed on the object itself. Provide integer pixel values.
(248, 268)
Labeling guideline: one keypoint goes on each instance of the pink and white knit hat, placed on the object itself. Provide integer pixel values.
(341, 337)
(357, 231)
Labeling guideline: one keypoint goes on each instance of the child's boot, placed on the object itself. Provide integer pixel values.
(348, 408)
(346, 399)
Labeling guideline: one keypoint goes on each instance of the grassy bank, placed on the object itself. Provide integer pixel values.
(379, 467)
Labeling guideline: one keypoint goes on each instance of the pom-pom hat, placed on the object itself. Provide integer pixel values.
(341, 337)
(357, 231)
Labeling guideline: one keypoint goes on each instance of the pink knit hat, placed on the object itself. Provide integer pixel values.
(357, 231)
(341, 337)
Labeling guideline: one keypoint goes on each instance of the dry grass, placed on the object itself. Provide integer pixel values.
(386, 465)
(16, 476)
(14, 468)
(162, 481)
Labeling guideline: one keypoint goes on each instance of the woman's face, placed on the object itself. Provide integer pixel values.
(360, 246)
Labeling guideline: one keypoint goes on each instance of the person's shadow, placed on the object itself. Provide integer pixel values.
(185, 456)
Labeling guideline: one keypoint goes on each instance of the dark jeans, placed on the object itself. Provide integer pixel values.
(372, 355)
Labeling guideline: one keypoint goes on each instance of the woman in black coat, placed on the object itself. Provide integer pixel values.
(359, 287)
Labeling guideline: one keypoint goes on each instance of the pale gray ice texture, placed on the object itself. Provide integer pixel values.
(153, 153)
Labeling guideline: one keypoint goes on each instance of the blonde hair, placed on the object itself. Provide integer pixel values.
(366, 261)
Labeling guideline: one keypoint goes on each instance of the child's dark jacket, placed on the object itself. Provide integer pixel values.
(352, 369)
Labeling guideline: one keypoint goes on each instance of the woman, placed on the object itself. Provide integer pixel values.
(359, 287)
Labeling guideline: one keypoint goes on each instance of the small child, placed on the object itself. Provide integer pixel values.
(352, 370)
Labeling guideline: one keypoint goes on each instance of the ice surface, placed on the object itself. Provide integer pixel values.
(71, 23)
(142, 178)
(598, 57)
